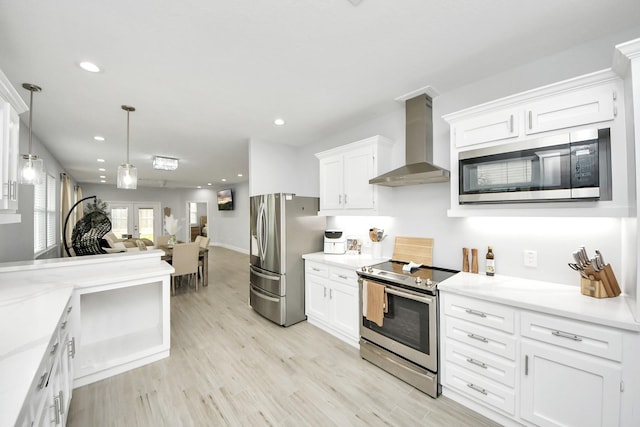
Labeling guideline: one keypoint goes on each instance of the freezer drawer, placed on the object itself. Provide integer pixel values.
(269, 282)
(270, 306)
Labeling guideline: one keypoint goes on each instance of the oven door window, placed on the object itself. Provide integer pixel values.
(406, 321)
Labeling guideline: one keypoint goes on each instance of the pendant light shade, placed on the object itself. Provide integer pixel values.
(31, 166)
(127, 173)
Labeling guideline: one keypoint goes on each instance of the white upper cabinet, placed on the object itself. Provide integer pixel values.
(592, 101)
(345, 173)
(11, 105)
(574, 108)
(493, 126)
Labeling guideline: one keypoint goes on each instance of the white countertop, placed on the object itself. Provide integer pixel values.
(546, 297)
(344, 260)
(33, 295)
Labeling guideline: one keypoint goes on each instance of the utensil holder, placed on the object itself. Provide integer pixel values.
(603, 285)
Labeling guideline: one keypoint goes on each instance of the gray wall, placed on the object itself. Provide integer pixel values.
(226, 228)
(16, 240)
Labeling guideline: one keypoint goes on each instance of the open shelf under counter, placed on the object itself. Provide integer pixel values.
(123, 325)
(102, 359)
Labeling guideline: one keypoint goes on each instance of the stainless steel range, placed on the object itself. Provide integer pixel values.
(404, 342)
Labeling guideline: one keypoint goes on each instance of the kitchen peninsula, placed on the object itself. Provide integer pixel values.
(109, 313)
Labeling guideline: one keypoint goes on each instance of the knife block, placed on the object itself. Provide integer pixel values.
(592, 288)
(604, 284)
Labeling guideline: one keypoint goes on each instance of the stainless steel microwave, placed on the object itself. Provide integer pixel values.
(575, 166)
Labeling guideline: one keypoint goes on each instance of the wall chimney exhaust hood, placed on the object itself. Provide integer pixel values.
(419, 167)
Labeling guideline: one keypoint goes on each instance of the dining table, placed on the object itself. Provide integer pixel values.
(204, 257)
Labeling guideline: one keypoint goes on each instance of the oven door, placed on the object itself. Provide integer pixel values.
(409, 328)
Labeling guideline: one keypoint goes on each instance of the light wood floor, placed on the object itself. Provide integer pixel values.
(231, 367)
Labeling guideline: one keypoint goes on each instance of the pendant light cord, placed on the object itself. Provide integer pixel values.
(30, 119)
(128, 136)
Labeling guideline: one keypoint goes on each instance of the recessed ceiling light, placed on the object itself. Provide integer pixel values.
(100, 160)
(102, 177)
(278, 122)
(102, 181)
(90, 67)
(240, 175)
(224, 180)
(208, 183)
(199, 186)
(102, 169)
(98, 138)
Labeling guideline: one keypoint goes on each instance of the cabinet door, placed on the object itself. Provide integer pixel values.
(488, 127)
(344, 308)
(317, 298)
(331, 183)
(575, 108)
(9, 133)
(565, 388)
(358, 170)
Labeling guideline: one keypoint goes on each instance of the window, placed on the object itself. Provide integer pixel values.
(44, 214)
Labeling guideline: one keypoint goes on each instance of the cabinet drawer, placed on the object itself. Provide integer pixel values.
(580, 336)
(343, 275)
(480, 388)
(478, 336)
(480, 312)
(481, 363)
(315, 268)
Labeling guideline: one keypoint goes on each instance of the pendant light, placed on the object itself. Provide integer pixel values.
(127, 173)
(30, 164)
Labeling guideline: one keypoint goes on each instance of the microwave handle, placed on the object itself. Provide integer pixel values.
(530, 119)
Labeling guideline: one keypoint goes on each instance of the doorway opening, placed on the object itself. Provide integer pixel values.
(197, 213)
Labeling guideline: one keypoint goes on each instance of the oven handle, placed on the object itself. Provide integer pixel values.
(424, 300)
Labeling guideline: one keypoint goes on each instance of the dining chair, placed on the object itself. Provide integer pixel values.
(185, 262)
(162, 240)
(204, 243)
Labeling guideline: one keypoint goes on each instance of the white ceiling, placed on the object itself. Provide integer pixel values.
(205, 76)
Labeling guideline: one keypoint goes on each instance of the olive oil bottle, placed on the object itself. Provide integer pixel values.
(491, 263)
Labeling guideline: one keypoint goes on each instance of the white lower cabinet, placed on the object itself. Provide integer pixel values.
(50, 395)
(565, 388)
(331, 300)
(531, 368)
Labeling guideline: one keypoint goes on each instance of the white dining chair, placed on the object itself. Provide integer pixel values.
(185, 262)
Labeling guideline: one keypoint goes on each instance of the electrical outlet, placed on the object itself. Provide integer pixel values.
(530, 258)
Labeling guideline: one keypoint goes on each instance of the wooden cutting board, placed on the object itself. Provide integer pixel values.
(416, 249)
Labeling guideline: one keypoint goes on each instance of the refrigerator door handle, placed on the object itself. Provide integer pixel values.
(262, 233)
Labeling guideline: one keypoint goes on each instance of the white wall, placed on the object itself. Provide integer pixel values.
(421, 210)
(277, 168)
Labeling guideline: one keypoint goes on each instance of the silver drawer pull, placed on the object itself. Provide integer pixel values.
(477, 337)
(477, 363)
(475, 312)
(54, 348)
(315, 269)
(342, 276)
(566, 335)
(476, 388)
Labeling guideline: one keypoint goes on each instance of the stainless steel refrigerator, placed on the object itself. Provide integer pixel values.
(283, 228)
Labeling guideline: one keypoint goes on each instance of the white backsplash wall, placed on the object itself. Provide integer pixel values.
(420, 211)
